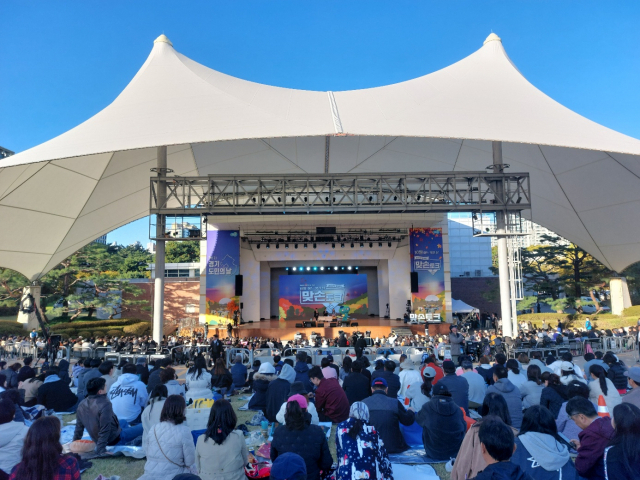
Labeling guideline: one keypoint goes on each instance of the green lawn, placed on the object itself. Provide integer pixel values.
(602, 321)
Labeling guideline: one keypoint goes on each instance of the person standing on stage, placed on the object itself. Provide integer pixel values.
(315, 315)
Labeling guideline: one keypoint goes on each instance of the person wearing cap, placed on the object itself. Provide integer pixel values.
(331, 401)
(633, 396)
(457, 386)
(261, 381)
(297, 388)
(420, 393)
(356, 385)
(300, 437)
(443, 425)
(393, 381)
(360, 450)
(477, 385)
(568, 374)
(409, 375)
(456, 340)
(289, 466)
(386, 414)
(558, 364)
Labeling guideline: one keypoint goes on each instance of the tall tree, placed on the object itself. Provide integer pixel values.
(538, 271)
(183, 252)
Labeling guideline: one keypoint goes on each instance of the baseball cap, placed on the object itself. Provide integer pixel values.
(439, 389)
(566, 366)
(634, 374)
(330, 357)
(379, 381)
(429, 372)
(299, 399)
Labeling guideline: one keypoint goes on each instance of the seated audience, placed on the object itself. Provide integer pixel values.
(128, 395)
(239, 373)
(169, 445)
(515, 375)
(106, 369)
(601, 385)
(30, 388)
(386, 414)
(300, 437)
(221, 378)
(221, 453)
(470, 460)
(26, 372)
(540, 451)
(42, 457)
(443, 425)
(531, 390)
(360, 450)
(327, 370)
(56, 395)
(153, 410)
(616, 372)
(289, 466)
(169, 379)
(89, 373)
(419, 394)
(391, 379)
(198, 380)
(596, 434)
(456, 385)
(477, 385)
(331, 401)
(622, 456)
(355, 384)
(261, 380)
(278, 391)
(509, 391)
(409, 375)
(566, 426)
(633, 396)
(297, 388)
(554, 394)
(12, 436)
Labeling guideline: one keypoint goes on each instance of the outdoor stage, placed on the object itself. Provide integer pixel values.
(287, 329)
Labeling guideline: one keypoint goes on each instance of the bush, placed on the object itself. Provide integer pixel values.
(12, 328)
(633, 311)
(84, 323)
(114, 333)
(138, 329)
(84, 334)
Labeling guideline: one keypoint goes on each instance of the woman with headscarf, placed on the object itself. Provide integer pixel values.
(359, 448)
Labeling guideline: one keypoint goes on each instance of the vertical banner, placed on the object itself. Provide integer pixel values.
(427, 260)
(223, 264)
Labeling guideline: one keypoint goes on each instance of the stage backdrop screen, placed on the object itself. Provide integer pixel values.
(427, 261)
(300, 295)
(223, 264)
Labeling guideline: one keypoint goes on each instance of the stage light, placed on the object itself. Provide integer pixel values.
(335, 268)
(314, 245)
(348, 268)
(301, 268)
(294, 269)
(287, 268)
(322, 268)
(341, 268)
(315, 269)
(308, 268)
(351, 244)
(342, 245)
(333, 245)
(356, 268)
(389, 244)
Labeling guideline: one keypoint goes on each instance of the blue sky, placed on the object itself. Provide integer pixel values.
(62, 62)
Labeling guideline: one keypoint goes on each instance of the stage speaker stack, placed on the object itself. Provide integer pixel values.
(414, 282)
(299, 325)
(238, 285)
(354, 324)
(333, 325)
(307, 324)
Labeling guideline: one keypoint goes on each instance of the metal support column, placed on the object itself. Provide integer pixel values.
(158, 290)
(501, 232)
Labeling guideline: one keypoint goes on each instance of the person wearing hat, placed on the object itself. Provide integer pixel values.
(634, 380)
(457, 386)
(420, 393)
(261, 381)
(360, 450)
(297, 388)
(568, 374)
(456, 340)
(300, 437)
(443, 425)
(409, 374)
(386, 414)
(289, 466)
(393, 381)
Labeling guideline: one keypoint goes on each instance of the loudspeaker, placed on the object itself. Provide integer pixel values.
(325, 230)
(333, 325)
(354, 324)
(238, 285)
(241, 304)
(414, 282)
(307, 324)
(299, 325)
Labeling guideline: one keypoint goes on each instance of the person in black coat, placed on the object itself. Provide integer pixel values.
(361, 344)
(278, 392)
(298, 436)
(261, 381)
(615, 372)
(26, 372)
(221, 377)
(154, 375)
(393, 380)
(56, 395)
(554, 394)
(355, 384)
(142, 370)
(215, 349)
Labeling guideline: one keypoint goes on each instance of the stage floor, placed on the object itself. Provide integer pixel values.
(286, 330)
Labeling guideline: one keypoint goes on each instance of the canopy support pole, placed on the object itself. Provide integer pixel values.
(501, 232)
(158, 289)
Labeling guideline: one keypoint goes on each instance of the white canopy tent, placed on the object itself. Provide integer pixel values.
(458, 306)
(94, 178)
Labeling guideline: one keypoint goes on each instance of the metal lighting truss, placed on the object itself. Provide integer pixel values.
(340, 193)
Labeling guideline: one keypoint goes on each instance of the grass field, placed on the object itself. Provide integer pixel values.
(601, 321)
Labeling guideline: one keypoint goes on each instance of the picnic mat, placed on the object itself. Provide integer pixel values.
(411, 472)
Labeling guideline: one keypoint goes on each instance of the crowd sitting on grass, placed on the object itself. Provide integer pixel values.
(522, 418)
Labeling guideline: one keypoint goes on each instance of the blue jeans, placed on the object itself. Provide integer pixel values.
(127, 433)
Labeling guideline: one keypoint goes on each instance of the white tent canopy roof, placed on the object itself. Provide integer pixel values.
(585, 178)
(458, 306)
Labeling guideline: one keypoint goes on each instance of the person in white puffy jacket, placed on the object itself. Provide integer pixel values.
(12, 436)
(169, 445)
(198, 380)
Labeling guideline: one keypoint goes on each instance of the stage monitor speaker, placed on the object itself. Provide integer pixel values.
(238, 285)
(325, 230)
(307, 324)
(354, 324)
(414, 282)
(333, 325)
(299, 325)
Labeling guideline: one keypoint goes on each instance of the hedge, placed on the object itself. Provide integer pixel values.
(84, 334)
(12, 328)
(99, 324)
(115, 333)
(138, 329)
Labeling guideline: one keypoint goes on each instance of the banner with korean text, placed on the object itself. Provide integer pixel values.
(223, 264)
(427, 260)
(300, 295)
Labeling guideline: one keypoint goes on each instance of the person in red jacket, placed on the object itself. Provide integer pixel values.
(331, 401)
(596, 434)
